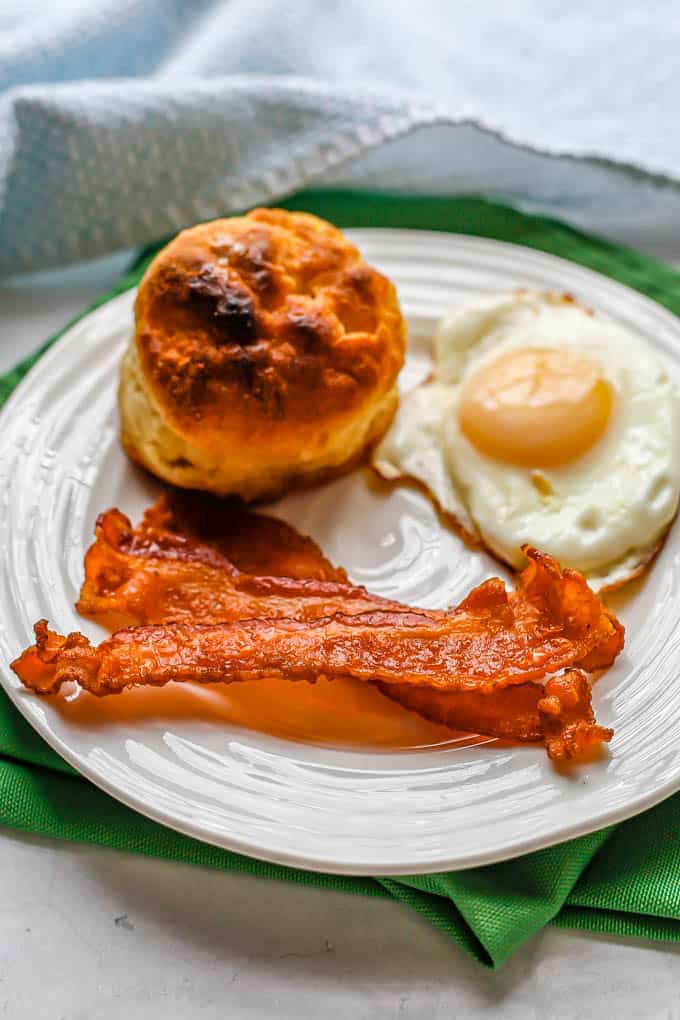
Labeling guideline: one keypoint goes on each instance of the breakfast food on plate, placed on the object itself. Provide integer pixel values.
(547, 425)
(490, 641)
(558, 712)
(265, 356)
(482, 666)
(352, 646)
(151, 575)
(254, 542)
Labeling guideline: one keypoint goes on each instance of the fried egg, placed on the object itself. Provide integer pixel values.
(544, 424)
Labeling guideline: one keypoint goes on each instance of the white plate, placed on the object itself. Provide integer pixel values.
(344, 811)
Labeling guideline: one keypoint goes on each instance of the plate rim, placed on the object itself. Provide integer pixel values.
(322, 865)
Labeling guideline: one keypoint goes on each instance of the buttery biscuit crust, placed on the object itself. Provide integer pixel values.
(262, 329)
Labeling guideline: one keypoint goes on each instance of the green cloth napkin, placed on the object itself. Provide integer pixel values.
(624, 880)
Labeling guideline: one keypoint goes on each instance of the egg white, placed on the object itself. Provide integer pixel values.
(603, 513)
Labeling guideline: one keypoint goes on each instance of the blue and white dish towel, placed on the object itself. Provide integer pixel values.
(123, 120)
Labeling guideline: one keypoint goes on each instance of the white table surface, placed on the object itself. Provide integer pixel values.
(92, 934)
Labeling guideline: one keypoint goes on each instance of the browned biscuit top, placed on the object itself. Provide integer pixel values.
(272, 318)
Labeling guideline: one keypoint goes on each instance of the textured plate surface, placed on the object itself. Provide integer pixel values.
(320, 808)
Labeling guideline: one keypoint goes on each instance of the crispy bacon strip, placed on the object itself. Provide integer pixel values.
(558, 712)
(186, 561)
(253, 542)
(551, 622)
(153, 575)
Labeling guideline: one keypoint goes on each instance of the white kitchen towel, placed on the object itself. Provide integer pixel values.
(123, 120)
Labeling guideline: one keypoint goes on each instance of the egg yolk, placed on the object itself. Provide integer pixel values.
(538, 407)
